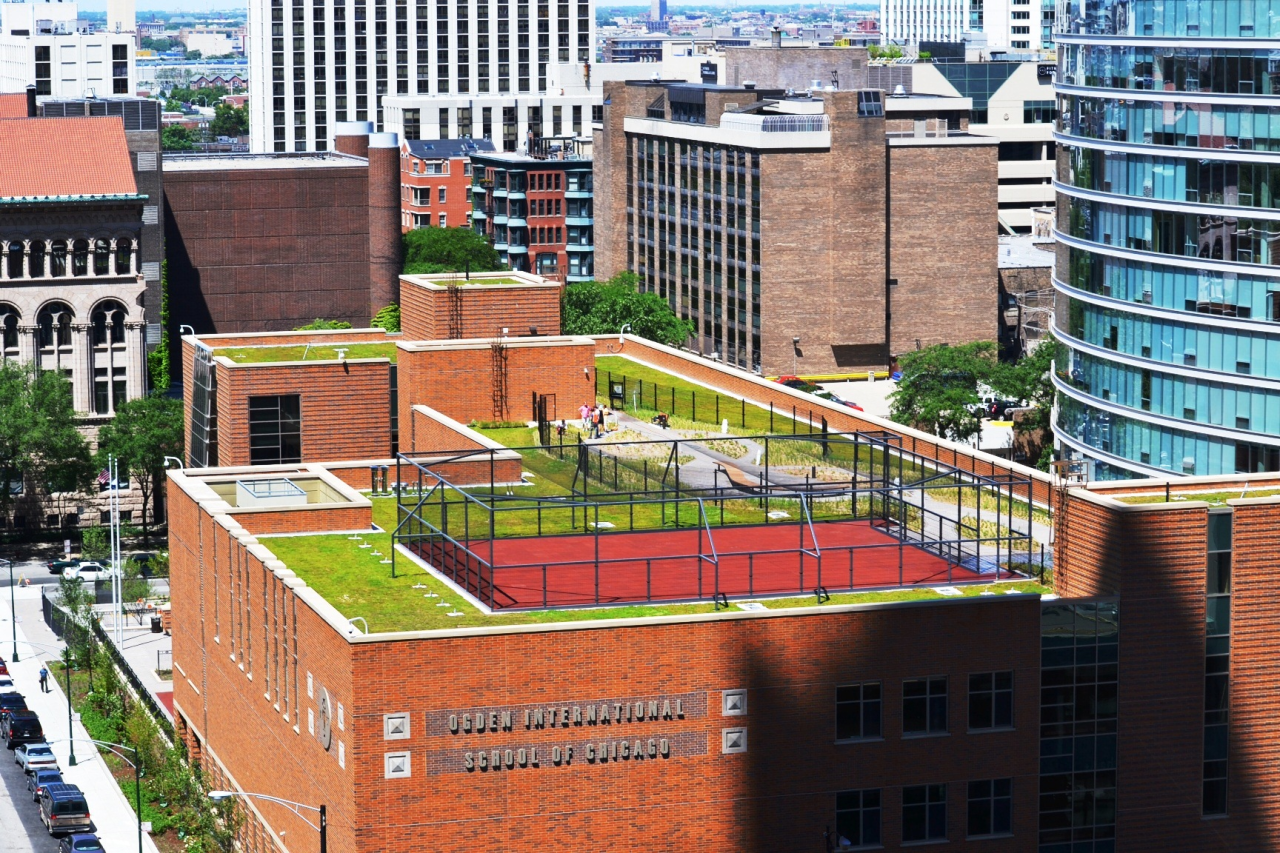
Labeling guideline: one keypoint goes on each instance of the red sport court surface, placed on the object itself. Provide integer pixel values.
(563, 571)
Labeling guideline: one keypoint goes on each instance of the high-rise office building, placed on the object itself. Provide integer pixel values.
(315, 64)
(1167, 219)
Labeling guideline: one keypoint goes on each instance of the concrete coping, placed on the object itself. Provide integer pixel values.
(464, 431)
(353, 128)
(384, 140)
(486, 343)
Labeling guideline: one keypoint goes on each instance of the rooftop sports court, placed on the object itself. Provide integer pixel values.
(670, 521)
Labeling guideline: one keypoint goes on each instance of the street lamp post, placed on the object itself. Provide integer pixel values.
(136, 764)
(71, 735)
(322, 828)
(13, 611)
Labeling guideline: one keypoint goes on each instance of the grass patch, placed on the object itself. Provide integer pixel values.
(971, 528)
(267, 355)
(357, 584)
(1211, 498)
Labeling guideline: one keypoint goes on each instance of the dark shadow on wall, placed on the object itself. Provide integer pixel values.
(187, 306)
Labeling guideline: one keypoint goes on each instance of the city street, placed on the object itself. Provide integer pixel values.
(20, 828)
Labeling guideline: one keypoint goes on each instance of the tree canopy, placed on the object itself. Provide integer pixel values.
(437, 250)
(938, 391)
(175, 137)
(38, 435)
(603, 308)
(229, 121)
(143, 432)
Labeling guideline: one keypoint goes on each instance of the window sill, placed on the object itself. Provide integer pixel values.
(926, 843)
(1214, 816)
(840, 741)
(996, 730)
(860, 847)
(988, 837)
(923, 735)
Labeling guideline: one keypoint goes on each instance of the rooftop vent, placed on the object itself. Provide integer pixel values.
(899, 91)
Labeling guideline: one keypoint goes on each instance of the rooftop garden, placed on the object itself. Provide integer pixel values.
(307, 352)
(461, 280)
(1217, 498)
(350, 573)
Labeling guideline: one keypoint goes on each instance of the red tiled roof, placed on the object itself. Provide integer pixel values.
(64, 157)
(13, 105)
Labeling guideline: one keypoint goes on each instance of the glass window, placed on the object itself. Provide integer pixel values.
(858, 818)
(858, 711)
(990, 807)
(924, 813)
(924, 706)
(991, 700)
(275, 429)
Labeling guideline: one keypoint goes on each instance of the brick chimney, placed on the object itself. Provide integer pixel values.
(352, 137)
(384, 221)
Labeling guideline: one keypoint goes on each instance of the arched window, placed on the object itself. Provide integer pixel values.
(124, 255)
(13, 257)
(35, 263)
(108, 323)
(80, 257)
(54, 321)
(58, 258)
(9, 329)
(101, 257)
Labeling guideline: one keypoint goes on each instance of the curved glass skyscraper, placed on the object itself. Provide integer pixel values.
(1168, 273)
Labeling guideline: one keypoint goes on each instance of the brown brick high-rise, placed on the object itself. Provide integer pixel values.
(813, 233)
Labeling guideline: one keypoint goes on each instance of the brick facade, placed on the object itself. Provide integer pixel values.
(440, 198)
(857, 244)
(779, 794)
(483, 310)
(457, 378)
(346, 406)
(267, 249)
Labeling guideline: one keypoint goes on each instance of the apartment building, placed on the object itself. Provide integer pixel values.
(537, 209)
(315, 65)
(435, 181)
(1166, 278)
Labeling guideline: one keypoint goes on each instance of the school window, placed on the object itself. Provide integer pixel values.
(275, 429)
(924, 706)
(990, 807)
(858, 819)
(991, 700)
(924, 813)
(858, 711)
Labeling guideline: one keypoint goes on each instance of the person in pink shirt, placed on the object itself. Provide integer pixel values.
(585, 413)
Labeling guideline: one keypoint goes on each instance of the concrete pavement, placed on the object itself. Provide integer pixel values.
(113, 817)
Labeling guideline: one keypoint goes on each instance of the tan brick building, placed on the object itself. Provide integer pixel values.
(814, 233)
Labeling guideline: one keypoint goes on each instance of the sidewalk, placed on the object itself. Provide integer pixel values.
(143, 650)
(113, 816)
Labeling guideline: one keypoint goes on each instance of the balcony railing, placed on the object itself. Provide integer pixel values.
(775, 124)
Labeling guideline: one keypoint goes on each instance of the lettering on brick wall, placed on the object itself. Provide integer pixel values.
(567, 716)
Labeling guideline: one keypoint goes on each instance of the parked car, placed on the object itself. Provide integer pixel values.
(21, 727)
(1000, 409)
(80, 842)
(6, 683)
(144, 563)
(56, 567)
(11, 701)
(88, 570)
(4, 668)
(63, 809)
(41, 777)
(30, 756)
